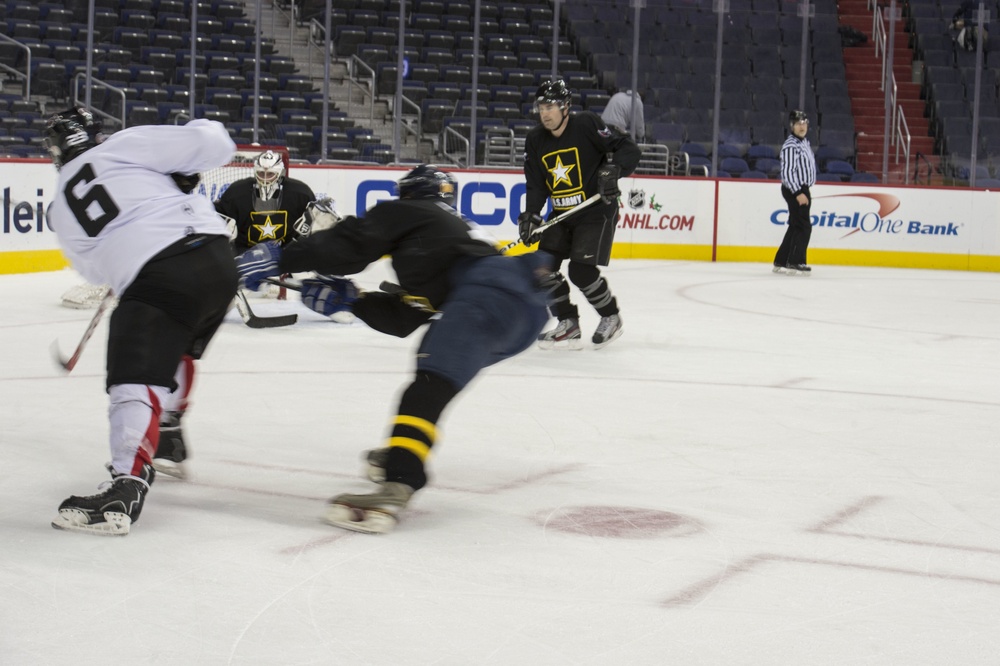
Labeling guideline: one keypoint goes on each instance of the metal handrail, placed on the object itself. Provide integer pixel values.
(27, 68)
(904, 140)
(79, 76)
(458, 158)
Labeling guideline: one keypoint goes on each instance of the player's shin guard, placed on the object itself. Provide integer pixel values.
(414, 431)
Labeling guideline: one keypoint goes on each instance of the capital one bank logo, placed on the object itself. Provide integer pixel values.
(837, 211)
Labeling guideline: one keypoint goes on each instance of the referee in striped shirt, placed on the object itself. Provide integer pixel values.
(798, 174)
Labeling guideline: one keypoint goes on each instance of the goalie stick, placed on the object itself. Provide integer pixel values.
(555, 220)
(70, 363)
(254, 321)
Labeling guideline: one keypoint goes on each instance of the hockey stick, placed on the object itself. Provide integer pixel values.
(254, 321)
(69, 364)
(555, 220)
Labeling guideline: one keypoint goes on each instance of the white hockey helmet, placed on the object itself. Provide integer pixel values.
(268, 170)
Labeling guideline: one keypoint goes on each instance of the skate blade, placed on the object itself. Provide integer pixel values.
(367, 521)
(74, 520)
(175, 470)
(614, 336)
(572, 344)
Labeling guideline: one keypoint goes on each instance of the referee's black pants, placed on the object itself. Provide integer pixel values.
(793, 246)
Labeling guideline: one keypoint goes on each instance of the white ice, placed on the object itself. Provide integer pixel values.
(762, 470)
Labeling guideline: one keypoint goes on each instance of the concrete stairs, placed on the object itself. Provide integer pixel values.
(864, 73)
(291, 38)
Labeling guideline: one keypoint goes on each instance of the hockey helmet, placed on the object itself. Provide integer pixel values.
(553, 92)
(428, 182)
(797, 117)
(71, 133)
(268, 171)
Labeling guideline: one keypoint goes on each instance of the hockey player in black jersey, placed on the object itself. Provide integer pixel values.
(482, 308)
(265, 206)
(567, 159)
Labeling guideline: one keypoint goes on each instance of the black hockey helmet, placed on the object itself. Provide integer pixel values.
(428, 182)
(797, 117)
(553, 92)
(71, 133)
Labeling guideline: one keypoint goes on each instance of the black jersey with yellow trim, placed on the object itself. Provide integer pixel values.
(565, 167)
(272, 222)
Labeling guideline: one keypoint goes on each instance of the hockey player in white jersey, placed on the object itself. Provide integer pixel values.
(125, 216)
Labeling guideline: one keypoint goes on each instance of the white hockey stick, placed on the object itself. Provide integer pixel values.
(69, 364)
(555, 220)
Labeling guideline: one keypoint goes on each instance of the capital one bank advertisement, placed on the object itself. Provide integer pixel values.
(903, 226)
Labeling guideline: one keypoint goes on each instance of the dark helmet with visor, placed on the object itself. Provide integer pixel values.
(428, 182)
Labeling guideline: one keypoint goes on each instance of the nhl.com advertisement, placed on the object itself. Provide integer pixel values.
(659, 217)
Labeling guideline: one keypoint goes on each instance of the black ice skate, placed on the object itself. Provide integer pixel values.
(799, 269)
(566, 335)
(110, 512)
(171, 451)
(374, 513)
(608, 330)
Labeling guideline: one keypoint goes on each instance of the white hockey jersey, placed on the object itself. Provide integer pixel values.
(116, 206)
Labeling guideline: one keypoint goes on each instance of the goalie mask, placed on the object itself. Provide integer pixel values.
(268, 171)
(428, 182)
(71, 133)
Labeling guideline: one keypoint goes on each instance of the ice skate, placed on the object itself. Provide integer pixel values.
(799, 269)
(375, 462)
(608, 330)
(171, 451)
(781, 270)
(566, 335)
(110, 512)
(374, 513)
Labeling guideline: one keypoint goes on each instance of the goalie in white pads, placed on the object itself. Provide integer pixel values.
(271, 206)
(125, 216)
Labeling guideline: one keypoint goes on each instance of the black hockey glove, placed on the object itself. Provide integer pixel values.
(186, 183)
(527, 227)
(607, 182)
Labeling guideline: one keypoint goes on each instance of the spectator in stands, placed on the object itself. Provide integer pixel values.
(964, 20)
(623, 106)
(798, 174)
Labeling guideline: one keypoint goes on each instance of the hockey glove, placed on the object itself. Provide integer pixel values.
(186, 183)
(328, 294)
(257, 264)
(527, 227)
(607, 182)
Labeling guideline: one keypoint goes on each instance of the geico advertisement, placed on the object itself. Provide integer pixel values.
(846, 217)
(650, 210)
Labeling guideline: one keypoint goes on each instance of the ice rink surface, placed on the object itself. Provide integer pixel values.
(763, 469)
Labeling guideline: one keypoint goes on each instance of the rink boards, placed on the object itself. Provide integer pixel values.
(661, 218)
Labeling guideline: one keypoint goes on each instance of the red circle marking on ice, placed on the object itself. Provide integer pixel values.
(615, 521)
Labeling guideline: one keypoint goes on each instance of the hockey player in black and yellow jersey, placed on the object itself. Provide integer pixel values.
(567, 159)
(266, 206)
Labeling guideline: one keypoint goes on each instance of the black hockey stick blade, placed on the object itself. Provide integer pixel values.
(254, 321)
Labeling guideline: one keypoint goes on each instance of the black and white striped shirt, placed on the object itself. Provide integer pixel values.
(798, 165)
